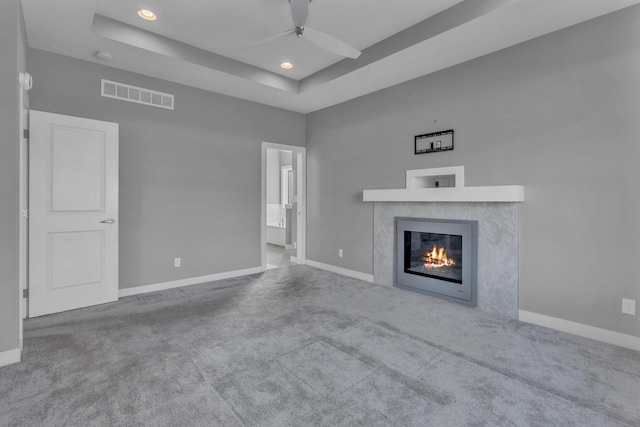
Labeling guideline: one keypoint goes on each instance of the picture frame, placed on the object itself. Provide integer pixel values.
(434, 142)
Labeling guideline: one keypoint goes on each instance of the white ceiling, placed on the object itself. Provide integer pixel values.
(213, 44)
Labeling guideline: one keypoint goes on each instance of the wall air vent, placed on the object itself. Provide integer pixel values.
(136, 94)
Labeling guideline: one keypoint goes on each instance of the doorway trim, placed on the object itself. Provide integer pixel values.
(23, 203)
(301, 202)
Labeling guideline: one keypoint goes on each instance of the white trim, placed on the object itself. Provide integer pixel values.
(343, 271)
(498, 193)
(126, 292)
(301, 206)
(10, 357)
(23, 202)
(598, 334)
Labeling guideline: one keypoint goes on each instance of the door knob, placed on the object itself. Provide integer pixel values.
(108, 221)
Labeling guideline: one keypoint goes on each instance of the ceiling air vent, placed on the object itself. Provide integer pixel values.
(136, 94)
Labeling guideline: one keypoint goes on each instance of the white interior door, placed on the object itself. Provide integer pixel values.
(73, 213)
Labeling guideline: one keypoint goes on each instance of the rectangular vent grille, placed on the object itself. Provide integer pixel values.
(136, 94)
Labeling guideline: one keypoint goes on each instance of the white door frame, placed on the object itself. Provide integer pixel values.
(23, 201)
(301, 201)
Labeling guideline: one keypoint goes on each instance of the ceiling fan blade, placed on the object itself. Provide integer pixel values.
(270, 39)
(330, 43)
(299, 12)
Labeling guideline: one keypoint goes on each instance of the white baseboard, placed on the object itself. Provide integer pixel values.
(9, 357)
(126, 292)
(339, 270)
(598, 334)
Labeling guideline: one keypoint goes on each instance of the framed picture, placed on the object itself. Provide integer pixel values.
(434, 142)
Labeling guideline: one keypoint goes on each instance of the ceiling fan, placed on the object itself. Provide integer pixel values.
(299, 12)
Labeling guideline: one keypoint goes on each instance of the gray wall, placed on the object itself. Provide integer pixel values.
(189, 178)
(559, 114)
(13, 53)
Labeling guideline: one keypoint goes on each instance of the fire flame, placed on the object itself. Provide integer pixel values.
(437, 257)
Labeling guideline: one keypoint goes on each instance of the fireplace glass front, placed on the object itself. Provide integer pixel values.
(433, 255)
(437, 257)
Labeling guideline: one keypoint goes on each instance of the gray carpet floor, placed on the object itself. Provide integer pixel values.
(298, 346)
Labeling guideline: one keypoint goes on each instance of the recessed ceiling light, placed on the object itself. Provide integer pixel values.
(286, 65)
(147, 15)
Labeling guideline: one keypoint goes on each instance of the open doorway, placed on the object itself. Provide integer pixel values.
(283, 216)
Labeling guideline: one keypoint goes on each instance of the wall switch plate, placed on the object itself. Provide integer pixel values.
(629, 306)
(177, 262)
(340, 253)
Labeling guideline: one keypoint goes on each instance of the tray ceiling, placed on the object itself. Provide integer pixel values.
(214, 45)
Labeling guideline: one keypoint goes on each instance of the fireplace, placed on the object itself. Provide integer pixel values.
(437, 257)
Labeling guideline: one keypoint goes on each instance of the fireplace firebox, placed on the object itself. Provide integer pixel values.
(437, 257)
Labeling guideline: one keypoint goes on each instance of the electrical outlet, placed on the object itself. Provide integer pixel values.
(177, 262)
(340, 253)
(629, 306)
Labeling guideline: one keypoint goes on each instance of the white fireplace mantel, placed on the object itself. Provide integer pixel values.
(421, 187)
(502, 193)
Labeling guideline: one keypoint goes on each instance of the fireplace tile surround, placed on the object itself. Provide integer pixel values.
(498, 240)
(495, 208)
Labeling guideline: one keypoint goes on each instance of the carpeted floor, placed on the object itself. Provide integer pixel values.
(298, 346)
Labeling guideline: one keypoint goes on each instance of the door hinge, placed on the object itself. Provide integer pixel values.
(25, 293)
(25, 133)
(25, 213)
